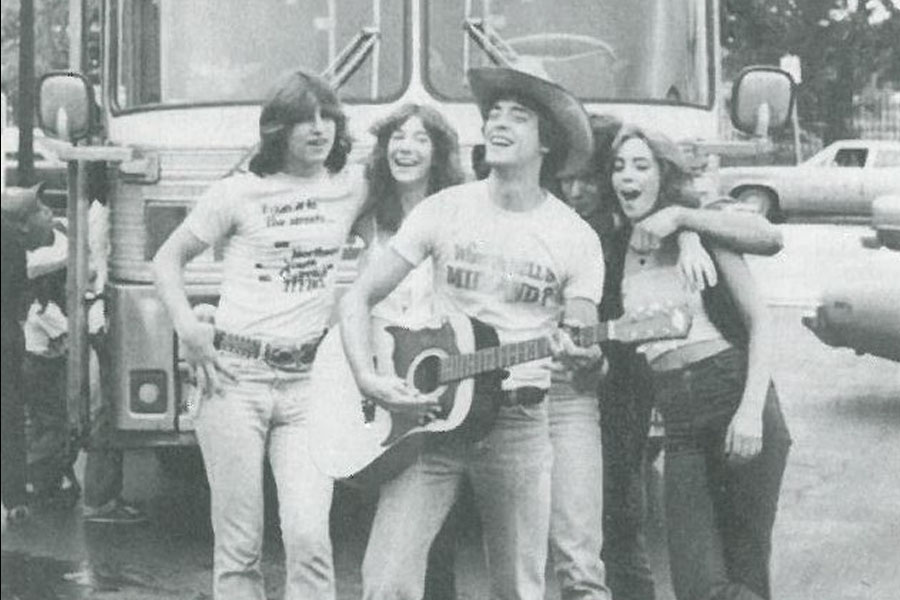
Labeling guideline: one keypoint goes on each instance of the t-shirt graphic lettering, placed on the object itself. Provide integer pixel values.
(282, 238)
(511, 279)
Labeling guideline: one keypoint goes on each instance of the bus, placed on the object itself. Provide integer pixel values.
(179, 84)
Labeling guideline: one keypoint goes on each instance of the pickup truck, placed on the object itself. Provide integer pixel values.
(840, 181)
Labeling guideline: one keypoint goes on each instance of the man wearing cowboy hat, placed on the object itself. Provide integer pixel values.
(496, 259)
(27, 225)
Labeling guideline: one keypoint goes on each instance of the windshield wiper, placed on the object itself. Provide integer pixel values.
(352, 56)
(491, 43)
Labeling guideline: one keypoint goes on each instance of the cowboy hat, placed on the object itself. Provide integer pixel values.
(528, 80)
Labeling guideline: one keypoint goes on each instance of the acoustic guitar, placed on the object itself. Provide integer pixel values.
(459, 363)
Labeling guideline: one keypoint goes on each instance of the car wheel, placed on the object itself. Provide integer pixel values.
(889, 239)
(762, 202)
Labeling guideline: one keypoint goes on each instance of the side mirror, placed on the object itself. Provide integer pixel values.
(65, 106)
(762, 99)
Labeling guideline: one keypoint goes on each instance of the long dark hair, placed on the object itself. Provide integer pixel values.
(295, 100)
(383, 200)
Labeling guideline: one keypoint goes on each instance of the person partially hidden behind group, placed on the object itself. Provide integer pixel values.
(726, 440)
(27, 225)
(509, 233)
(283, 225)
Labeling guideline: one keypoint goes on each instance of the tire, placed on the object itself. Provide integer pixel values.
(889, 238)
(762, 201)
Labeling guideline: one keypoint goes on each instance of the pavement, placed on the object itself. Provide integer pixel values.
(838, 529)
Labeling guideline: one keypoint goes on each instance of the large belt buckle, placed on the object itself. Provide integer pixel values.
(286, 358)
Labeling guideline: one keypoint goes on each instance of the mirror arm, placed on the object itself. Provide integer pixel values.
(763, 117)
(62, 123)
(736, 148)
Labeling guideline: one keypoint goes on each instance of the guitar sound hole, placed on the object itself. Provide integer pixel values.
(426, 376)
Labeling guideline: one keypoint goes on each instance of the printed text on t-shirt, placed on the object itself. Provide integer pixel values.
(516, 280)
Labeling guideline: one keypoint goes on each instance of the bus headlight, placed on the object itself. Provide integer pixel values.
(149, 391)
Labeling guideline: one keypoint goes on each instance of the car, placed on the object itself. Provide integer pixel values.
(48, 167)
(863, 314)
(839, 182)
(886, 221)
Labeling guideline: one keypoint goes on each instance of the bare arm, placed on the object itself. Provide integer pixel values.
(168, 274)
(375, 282)
(196, 338)
(742, 232)
(744, 438)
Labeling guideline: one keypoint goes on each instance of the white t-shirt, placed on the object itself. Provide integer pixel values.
(282, 238)
(511, 270)
(411, 303)
(45, 330)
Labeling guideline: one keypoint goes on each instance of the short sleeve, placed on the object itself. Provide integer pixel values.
(586, 270)
(213, 216)
(418, 233)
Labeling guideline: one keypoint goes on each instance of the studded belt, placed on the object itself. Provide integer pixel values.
(285, 357)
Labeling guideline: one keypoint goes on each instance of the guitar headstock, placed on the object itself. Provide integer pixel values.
(661, 321)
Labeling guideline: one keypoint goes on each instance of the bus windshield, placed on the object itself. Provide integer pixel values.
(602, 50)
(171, 52)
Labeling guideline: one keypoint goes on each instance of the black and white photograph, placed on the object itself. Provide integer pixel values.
(450, 300)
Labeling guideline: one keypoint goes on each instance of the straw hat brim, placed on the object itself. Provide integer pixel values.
(489, 83)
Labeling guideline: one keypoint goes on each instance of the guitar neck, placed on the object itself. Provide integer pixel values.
(462, 366)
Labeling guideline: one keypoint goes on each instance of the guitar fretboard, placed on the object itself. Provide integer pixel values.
(462, 366)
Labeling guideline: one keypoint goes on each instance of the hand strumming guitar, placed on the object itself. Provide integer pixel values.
(395, 395)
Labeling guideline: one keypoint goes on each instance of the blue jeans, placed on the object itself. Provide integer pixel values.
(510, 474)
(626, 398)
(104, 467)
(14, 449)
(719, 516)
(264, 413)
(576, 521)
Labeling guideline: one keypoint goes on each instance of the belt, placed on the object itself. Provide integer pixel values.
(286, 357)
(523, 396)
(684, 356)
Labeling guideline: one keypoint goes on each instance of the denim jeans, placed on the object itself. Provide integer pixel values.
(626, 398)
(264, 412)
(50, 457)
(14, 457)
(576, 516)
(719, 515)
(510, 475)
(104, 467)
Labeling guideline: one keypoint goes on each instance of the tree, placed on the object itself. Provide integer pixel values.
(845, 46)
(51, 41)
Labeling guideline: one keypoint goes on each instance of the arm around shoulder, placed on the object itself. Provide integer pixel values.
(743, 232)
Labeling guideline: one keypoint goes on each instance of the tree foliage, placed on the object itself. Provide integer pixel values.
(51, 41)
(845, 47)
